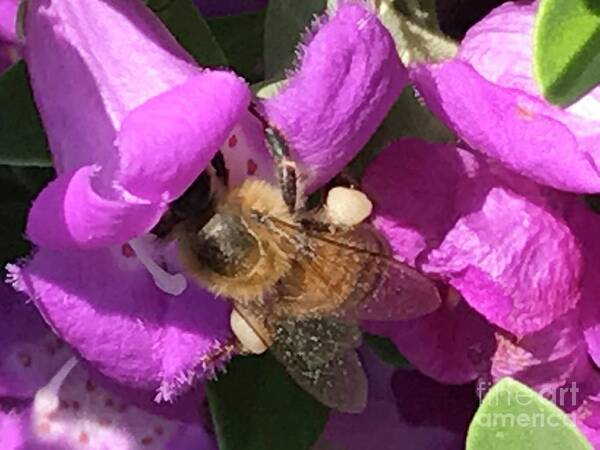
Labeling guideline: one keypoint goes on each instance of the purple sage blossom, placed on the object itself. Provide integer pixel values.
(521, 266)
(403, 406)
(9, 45)
(500, 240)
(8, 21)
(488, 96)
(48, 400)
(131, 122)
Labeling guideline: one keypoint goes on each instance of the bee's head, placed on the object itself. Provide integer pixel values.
(224, 245)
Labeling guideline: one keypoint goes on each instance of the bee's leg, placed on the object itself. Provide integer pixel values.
(286, 167)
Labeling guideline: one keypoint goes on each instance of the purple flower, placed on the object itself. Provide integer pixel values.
(128, 134)
(546, 360)
(131, 122)
(403, 406)
(49, 401)
(8, 20)
(488, 96)
(500, 240)
(520, 262)
(9, 46)
(556, 364)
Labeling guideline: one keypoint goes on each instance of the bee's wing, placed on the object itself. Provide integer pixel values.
(383, 288)
(403, 293)
(319, 354)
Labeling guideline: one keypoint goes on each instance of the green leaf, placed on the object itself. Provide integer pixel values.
(268, 88)
(566, 61)
(257, 406)
(385, 349)
(285, 24)
(184, 21)
(22, 138)
(242, 39)
(514, 417)
(407, 118)
(413, 25)
(18, 188)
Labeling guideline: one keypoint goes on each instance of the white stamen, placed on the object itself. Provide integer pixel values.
(46, 399)
(169, 283)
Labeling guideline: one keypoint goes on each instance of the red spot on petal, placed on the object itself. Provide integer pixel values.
(76, 405)
(44, 427)
(525, 112)
(127, 251)
(84, 438)
(104, 421)
(50, 349)
(122, 407)
(251, 167)
(159, 430)
(90, 386)
(232, 142)
(52, 415)
(24, 359)
(109, 403)
(59, 344)
(147, 440)
(64, 404)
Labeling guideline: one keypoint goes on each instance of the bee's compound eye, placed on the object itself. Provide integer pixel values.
(347, 206)
(249, 339)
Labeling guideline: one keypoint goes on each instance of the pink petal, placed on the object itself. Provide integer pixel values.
(502, 241)
(140, 337)
(348, 77)
(117, 93)
(8, 20)
(389, 419)
(550, 361)
(30, 353)
(587, 419)
(451, 345)
(11, 430)
(166, 142)
(488, 96)
(585, 223)
(71, 212)
(87, 76)
(87, 416)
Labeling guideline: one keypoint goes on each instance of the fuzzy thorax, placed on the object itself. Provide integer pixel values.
(237, 254)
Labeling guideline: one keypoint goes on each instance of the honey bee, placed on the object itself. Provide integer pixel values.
(298, 278)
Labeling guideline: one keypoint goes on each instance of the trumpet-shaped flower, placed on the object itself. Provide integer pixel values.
(48, 400)
(131, 122)
(488, 96)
